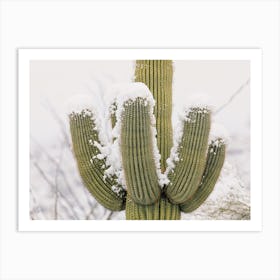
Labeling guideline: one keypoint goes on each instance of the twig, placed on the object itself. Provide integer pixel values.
(87, 217)
(56, 184)
(239, 90)
(109, 215)
(61, 173)
(43, 175)
(61, 123)
(52, 185)
(66, 209)
(37, 206)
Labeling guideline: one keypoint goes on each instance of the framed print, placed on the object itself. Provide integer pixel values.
(156, 82)
(139, 139)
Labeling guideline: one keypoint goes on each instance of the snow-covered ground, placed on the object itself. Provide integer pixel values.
(56, 189)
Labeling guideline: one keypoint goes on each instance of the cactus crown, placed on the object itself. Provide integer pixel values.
(151, 177)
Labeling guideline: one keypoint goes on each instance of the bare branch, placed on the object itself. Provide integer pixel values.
(109, 215)
(43, 175)
(61, 173)
(239, 90)
(59, 121)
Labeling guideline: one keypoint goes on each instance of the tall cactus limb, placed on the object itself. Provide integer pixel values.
(158, 75)
(214, 164)
(137, 153)
(186, 176)
(90, 165)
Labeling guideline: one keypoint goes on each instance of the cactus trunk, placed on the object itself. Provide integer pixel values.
(158, 75)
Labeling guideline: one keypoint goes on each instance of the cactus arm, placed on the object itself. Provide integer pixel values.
(91, 168)
(137, 152)
(214, 164)
(157, 75)
(188, 170)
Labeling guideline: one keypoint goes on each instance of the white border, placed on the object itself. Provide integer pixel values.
(24, 58)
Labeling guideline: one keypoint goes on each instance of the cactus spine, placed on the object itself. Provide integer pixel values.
(191, 167)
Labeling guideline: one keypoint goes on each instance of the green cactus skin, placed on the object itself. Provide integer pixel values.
(92, 169)
(168, 210)
(135, 211)
(158, 75)
(186, 176)
(161, 210)
(190, 181)
(137, 153)
(214, 164)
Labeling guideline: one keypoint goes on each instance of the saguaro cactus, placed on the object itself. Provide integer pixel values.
(141, 169)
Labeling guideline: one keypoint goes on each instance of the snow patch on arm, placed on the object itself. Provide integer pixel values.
(91, 106)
